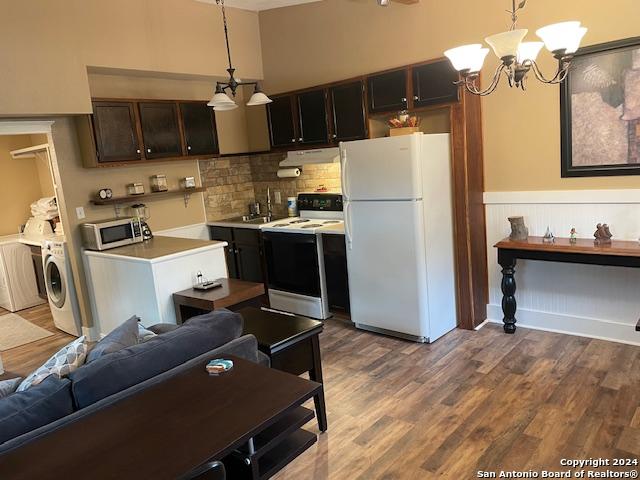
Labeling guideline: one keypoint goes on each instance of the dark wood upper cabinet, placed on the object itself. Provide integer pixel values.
(199, 127)
(312, 117)
(116, 136)
(160, 129)
(388, 91)
(433, 84)
(349, 121)
(282, 129)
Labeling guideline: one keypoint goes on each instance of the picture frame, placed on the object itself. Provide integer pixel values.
(599, 105)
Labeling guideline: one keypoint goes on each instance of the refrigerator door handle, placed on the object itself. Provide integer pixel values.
(343, 172)
(347, 224)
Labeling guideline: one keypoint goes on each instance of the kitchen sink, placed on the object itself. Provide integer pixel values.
(252, 219)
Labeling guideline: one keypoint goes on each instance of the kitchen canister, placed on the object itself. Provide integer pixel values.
(292, 206)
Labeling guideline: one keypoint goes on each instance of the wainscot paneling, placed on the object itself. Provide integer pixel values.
(592, 301)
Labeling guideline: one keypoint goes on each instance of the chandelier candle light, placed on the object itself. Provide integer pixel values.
(517, 58)
(221, 101)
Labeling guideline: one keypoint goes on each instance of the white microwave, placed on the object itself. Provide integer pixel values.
(112, 233)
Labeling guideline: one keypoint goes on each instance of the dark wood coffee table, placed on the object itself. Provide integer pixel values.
(292, 344)
(171, 429)
(232, 294)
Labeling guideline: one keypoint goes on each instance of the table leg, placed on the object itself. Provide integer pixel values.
(315, 374)
(508, 264)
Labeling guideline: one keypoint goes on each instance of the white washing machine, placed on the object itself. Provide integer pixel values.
(60, 288)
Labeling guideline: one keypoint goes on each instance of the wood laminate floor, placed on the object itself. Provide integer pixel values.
(20, 361)
(471, 401)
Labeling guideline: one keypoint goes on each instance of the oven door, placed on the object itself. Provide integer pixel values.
(292, 263)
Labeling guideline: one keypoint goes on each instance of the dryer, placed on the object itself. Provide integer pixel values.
(61, 290)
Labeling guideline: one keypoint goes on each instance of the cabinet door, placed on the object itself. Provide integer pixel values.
(225, 234)
(250, 263)
(199, 126)
(312, 115)
(388, 91)
(349, 121)
(434, 84)
(114, 126)
(335, 268)
(281, 125)
(160, 130)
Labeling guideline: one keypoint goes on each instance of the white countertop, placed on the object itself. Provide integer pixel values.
(253, 226)
(336, 229)
(159, 248)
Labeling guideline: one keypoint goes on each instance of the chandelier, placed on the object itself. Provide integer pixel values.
(221, 101)
(517, 58)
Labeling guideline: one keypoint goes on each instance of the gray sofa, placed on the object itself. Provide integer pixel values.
(56, 402)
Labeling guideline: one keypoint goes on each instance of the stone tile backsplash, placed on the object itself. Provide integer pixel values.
(234, 182)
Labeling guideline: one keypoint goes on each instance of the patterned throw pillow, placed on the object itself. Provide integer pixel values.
(61, 364)
(7, 387)
(144, 334)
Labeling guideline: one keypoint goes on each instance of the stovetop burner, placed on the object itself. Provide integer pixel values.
(313, 225)
(302, 220)
(329, 222)
(279, 225)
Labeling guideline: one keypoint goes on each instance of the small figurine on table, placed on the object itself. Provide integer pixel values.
(573, 237)
(602, 234)
(548, 236)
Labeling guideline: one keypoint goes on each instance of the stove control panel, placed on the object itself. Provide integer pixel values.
(320, 202)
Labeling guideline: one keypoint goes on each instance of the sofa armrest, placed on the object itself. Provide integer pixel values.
(160, 328)
(244, 347)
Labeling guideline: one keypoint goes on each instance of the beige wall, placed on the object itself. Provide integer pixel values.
(320, 42)
(241, 130)
(45, 72)
(19, 184)
(79, 184)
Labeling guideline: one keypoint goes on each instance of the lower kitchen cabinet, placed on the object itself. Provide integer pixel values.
(335, 270)
(244, 254)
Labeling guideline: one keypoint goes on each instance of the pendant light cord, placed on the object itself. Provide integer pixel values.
(226, 31)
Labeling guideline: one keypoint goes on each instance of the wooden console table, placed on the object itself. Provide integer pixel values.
(617, 254)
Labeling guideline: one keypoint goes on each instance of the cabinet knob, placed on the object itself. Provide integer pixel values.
(293, 140)
(148, 150)
(300, 139)
(137, 150)
(404, 100)
(188, 147)
(334, 136)
(416, 97)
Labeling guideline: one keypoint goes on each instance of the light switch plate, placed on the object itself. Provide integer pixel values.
(277, 197)
(80, 213)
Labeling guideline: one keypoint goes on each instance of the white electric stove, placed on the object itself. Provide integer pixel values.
(295, 259)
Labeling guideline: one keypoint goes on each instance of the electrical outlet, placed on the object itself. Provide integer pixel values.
(277, 197)
(80, 213)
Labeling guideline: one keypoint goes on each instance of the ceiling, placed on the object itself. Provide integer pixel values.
(258, 5)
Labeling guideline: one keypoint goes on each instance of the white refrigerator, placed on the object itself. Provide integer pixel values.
(399, 235)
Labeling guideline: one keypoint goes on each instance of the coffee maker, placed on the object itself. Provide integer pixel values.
(141, 211)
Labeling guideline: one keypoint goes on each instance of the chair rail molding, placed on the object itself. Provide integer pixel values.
(586, 300)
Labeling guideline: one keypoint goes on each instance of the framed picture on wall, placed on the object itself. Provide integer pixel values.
(600, 111)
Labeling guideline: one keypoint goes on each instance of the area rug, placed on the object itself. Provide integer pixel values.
(16, 331)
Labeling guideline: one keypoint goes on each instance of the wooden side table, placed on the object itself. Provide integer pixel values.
(292, 343)
(232, 294)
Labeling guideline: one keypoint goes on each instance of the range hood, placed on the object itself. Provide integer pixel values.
(306, 157)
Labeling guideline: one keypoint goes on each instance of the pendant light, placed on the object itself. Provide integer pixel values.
(517, 57)
(221, 101)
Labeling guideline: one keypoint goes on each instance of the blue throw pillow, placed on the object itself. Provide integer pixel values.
(39, 405)
(124, 336)
(127, 367)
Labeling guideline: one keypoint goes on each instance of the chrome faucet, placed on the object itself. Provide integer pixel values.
(269, 210)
